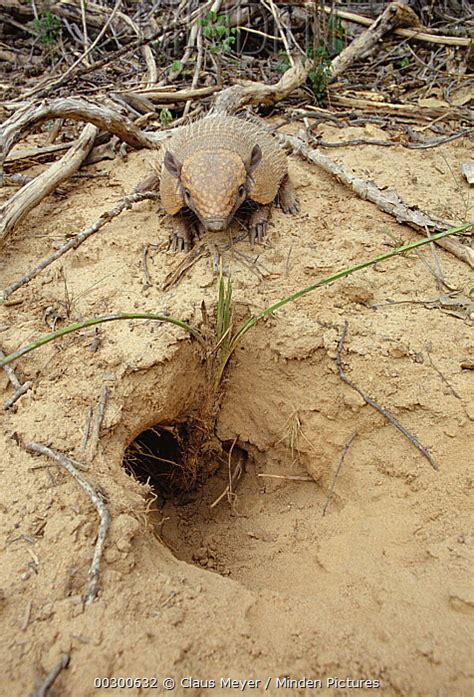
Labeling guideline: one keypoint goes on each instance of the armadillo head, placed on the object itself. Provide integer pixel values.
(214, 183)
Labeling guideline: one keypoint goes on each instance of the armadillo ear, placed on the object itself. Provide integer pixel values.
(254, 159)
(172, 164)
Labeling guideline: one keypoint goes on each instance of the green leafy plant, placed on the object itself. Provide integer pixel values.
(177, 66)
(47, 27)
(166, 117)
(335, 36)
(319, 77)
(326, 46)
(219, 35)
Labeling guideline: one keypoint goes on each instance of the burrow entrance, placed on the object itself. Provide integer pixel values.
(229, 520)
(264, 532)
(162, 457)
(157, 457)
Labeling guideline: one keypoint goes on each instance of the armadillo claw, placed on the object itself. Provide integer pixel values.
(177, 244)
(257, 232)
(287, 197)
(258, 224)
(292, 207)
(181, 239)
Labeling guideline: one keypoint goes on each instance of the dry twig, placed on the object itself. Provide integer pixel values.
(412, 111)
(68, 465)
(392, 17)
(289, 477)
(233, 475)
(105, 118)
(338, 469)
(74, 242)
(94, 434)
(387, 201)
(35, 191)
(377, 406)
(421, 34)
(43, 689)
(20, 388)
(443, 377)
(237, 96)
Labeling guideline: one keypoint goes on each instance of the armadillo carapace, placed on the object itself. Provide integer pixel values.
(216, 164)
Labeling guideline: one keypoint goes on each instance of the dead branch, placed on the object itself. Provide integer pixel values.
(31, 153)
(185, 264)
(412, 111)
(237, 96)
(288, 477)
(375, 405)
(103, 117)
(441, 375)
(166, 95)
(74, 242)
(393, 16)
(455, 304)
(86, 430)
(417, 35)
(421, 34)
(68, 465)
(387, 201)
(35, 191)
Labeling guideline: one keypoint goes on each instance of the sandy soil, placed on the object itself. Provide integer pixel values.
(266, 586)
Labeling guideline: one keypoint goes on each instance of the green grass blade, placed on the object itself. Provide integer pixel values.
(220, 309)
(243, 329)
(46, 338)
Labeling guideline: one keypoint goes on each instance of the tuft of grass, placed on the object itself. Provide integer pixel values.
(293, 434)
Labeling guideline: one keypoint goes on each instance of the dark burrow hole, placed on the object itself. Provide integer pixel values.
(157, 457)
(162, 457)
(166, 457)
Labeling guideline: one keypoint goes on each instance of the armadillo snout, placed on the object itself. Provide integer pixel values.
(215, 224)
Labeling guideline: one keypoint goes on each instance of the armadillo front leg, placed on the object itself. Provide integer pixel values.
(258, 223)
(181, 239)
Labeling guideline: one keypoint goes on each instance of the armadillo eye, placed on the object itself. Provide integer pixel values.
(242, 191)
(187, 195)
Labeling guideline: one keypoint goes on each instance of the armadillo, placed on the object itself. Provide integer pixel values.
(213, 166)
